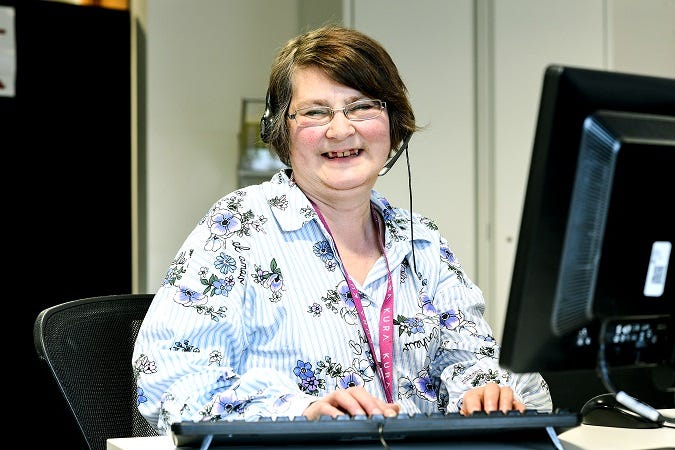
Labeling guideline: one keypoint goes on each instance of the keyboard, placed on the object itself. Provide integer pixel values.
(364, 429)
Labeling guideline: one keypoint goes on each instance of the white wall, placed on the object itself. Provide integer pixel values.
(203, 57)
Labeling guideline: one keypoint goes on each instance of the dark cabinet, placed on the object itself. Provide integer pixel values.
(66, 141)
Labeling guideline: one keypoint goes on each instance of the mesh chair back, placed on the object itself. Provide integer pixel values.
(88, 345)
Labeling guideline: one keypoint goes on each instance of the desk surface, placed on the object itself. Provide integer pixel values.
(584, 437)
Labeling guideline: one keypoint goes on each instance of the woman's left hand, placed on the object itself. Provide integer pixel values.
(490, 397)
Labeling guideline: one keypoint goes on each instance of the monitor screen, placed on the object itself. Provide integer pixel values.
(593, 276)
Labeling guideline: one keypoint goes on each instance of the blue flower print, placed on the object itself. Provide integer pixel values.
(387, 211)
(310, 385)
(303, 370)
(308, 381)
(450, 319)
(446, 254)
(140, 397)
(275, 282)
(223, 286)
(315, 309)
(188, 297)
(217, 286)
(225, 263)
(345, 294)
(224, 223)
(415, 325)
(409, 325)
(325, 253)
(227, 403)
(350, 379)
(364, 369)
(425, 387)
(425, 302)
(271, 279)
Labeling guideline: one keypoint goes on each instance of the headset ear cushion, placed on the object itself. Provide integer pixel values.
(264, 130)
(266, 120)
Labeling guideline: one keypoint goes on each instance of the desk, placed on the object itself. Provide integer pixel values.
(583, 437)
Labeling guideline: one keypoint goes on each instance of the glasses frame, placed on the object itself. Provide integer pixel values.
(345, 110)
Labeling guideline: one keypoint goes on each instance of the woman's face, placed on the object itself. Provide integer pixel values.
(342, 155)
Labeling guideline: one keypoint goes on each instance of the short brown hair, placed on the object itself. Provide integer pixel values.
(348, 57)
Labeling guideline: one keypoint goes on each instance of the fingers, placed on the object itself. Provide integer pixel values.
(370, 404)
(494, 396)
(490, 397)
(519, 406)
(354, 401)
(473, 401)
(321, 407)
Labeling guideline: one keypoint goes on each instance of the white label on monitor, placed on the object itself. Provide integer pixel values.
(658, 267)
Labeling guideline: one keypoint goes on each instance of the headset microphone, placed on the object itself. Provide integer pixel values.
(390, 162)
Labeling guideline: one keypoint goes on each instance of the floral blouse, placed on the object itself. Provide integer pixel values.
(255, 318)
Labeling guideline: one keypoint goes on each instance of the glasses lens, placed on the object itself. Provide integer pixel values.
(363, 110)
(316, 115)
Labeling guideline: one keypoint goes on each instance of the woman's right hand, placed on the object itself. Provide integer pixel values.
(353, 401)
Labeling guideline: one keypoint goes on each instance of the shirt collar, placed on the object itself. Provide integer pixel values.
(292, 210)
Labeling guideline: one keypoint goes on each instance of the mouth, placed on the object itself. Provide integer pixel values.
(345, 154)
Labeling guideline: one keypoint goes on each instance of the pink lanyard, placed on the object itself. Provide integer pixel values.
(385, 366)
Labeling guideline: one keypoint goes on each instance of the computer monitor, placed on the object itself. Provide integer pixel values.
(593, 276)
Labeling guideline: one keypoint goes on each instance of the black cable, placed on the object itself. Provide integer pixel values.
(380, 430)
(630, 402)
(603, 368)
(410, 200)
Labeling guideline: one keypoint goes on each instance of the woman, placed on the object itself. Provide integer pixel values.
(310, 294)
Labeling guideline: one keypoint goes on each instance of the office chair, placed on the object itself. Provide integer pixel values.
(87, 345)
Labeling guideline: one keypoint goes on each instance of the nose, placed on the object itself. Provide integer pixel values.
(339, 127)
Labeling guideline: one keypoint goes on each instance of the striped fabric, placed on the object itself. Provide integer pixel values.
(254, 317)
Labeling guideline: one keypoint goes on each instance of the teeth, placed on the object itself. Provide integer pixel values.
(343, 154)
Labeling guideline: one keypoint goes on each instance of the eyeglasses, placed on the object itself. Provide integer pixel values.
(314, 116)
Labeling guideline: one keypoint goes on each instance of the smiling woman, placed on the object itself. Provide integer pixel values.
(306, 295)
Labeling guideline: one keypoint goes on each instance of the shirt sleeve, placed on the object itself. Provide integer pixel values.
(188, 350)
(469, 354)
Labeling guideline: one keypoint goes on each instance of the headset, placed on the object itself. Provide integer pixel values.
(266, 130)
(266, 120)
(390, 162)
